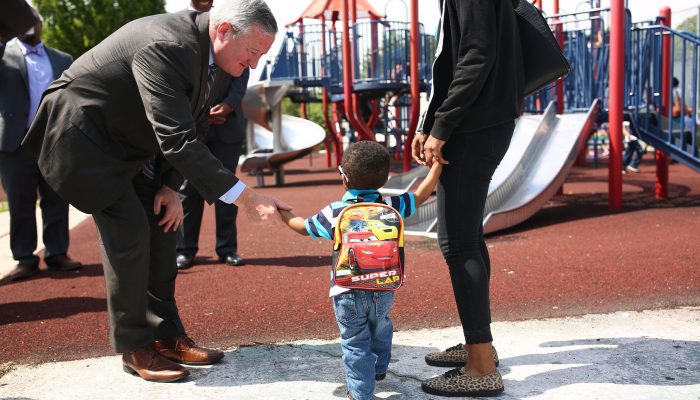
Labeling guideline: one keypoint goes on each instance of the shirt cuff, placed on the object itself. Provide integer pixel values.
(233, 193)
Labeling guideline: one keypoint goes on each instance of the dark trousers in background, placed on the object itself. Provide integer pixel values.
(633, 154)
(462, 193)
(225, 214)
(22, 180)
(139, 269)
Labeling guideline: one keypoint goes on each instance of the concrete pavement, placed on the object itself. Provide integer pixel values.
(624, 355)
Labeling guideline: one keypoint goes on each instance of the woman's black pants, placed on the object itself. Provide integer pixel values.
(464, 184)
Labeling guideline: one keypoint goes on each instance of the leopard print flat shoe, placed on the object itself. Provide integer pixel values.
(455, 356)
(454, 383)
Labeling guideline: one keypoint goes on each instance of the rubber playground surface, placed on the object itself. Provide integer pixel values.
(574, 257)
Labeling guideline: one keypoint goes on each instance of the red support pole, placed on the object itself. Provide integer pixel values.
(331, 139)
(661, 157)
(415, 89)
(616, 78)
(348, 68)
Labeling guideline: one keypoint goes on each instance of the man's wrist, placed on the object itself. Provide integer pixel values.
(232, 195)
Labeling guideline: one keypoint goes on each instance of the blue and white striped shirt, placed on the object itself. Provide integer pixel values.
(322, 224)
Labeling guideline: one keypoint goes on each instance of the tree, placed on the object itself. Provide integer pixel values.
(689, 24)
(75, 26)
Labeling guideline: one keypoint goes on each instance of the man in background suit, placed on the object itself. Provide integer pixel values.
(226, 134)
(26, 69)
(116, 134)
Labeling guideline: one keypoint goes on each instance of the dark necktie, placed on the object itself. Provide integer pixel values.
(210, 82)
(149, 168)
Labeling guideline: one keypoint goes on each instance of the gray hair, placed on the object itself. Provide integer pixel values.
(243, 15)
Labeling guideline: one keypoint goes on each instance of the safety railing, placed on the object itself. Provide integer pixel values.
(585, 44)
(311, 55)
(382, 53)
(669, 123)
(301, 55)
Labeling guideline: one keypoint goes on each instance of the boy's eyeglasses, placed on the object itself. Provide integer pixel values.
(342, 173)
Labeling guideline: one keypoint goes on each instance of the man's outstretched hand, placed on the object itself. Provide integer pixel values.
(261, 208)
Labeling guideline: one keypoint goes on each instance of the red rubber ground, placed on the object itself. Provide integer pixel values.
(573, 257)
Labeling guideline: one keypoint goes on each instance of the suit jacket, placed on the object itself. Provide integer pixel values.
(136, 95)
(14, 96)
(233, 129)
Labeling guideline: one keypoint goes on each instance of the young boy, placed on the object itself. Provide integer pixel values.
(362, 315)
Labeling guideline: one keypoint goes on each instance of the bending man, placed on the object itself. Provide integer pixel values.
(116, 134)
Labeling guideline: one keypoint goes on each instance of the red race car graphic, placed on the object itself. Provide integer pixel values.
(366, 253)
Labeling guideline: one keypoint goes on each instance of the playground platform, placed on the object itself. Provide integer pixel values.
(586, 303)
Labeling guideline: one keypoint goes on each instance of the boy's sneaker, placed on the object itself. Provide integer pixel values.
(379, 377)
(454, 383)
(632, 169)
(455, 356)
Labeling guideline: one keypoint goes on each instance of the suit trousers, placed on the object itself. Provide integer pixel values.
(225, 214)
(461, 193)
(139, 269)
(21, 180)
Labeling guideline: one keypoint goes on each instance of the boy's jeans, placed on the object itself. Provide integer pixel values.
(365, 337)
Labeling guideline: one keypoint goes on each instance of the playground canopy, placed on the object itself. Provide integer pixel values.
(331, 9)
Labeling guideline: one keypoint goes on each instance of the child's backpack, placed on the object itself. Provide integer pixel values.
(368, 247)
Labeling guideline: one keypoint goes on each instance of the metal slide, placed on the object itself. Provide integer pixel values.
(541, 154)
(275, 139)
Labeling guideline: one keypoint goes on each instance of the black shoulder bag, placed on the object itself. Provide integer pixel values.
(543, 60)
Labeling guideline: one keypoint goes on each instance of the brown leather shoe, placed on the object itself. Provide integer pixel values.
(151, 366)
(23, 271)
(62, 263)
(183, 350)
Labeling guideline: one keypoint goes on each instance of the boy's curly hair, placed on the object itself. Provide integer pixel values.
(366, 165)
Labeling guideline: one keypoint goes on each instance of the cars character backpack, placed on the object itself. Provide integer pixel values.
(368, 247)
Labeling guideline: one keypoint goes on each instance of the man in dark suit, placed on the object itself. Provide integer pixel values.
(26, 69)
(226, 134)
(116, 134)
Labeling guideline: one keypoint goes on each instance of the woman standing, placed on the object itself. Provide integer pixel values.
(477, 93)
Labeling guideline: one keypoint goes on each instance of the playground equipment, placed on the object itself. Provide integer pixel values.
(274, 139)
(638, 89)
(362, 72)
(542, 152)
(366, 71)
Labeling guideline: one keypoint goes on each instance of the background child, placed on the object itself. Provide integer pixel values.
(362, 315)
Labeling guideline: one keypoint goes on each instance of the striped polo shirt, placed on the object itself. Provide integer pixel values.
(322, 224)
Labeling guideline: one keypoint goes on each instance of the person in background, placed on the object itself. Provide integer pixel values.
(226, 134)
(477, 95)
(633, 150)
(363, 315)
(26, 70)
(682, 113)
(116, 135)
